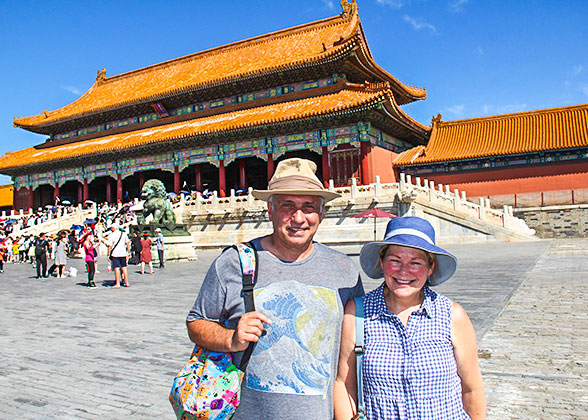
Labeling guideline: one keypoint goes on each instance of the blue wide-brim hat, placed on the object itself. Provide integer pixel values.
(413, 232)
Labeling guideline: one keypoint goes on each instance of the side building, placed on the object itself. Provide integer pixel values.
(532, 158)
(221, 119)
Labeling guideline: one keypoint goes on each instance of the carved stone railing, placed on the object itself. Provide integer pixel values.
(55, 222)
(404, 195)
(441, 195)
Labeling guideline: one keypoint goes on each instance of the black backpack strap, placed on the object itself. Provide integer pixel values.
(249, 269)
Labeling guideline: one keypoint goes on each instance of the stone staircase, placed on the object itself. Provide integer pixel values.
(217, 222)
(54, 223)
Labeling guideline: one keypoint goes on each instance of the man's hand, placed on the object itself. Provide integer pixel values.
(248, 330)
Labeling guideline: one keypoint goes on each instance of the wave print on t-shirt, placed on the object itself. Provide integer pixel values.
(295, 354)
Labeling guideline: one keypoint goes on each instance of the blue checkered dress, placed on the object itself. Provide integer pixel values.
(410, 372)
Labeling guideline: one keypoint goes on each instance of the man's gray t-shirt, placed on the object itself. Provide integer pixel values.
(293, 367)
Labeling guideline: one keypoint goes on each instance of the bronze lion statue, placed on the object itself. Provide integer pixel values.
(156, 203)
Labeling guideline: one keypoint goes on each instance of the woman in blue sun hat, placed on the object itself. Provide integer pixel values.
(420, 357)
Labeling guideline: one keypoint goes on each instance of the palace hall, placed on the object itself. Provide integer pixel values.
(222, 119)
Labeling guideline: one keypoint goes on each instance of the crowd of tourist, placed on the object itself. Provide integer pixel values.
(10, 224)
(18, 246)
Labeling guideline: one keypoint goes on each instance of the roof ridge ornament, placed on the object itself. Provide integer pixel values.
(349, 9)
(101, 76)
(436, 121)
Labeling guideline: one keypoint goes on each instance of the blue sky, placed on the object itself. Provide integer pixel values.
(475, 58)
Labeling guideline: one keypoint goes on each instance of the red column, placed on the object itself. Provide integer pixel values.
(80, 192)
(55, 193)
(141, 179)
(326, 166)
(108, 189)
(336, 169)
(270, 166)
(365, 164)
(119, 192)
(198, 176)
(86, 191)
(222, 184)
(242, 176)
(16, 199)
(177, 180)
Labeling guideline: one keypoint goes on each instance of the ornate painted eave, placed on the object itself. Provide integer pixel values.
(352, 98)
(555, 129)
(308, 45)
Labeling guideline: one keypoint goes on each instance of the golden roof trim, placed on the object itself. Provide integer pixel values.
(344, 100)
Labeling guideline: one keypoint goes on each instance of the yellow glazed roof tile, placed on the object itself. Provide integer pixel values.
(345, 99)
(6, 195)
(508, 134)
(278, 50)
(409, 155)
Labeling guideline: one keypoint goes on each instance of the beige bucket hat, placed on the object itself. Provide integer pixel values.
(295, 177)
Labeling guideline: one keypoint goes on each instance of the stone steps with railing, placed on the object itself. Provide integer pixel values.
(488, 220)
(221, 221)
(62, 219)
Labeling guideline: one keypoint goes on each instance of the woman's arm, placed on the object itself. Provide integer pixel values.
(465, 350)
(345, 388)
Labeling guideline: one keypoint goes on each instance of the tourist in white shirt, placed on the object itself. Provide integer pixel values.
(118, 252)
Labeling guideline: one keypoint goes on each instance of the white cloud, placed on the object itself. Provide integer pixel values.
(419, 24)
(457, 5)
(503, 109)
(71, 89)
(577, 69)
(584, 89)
(397, 4)
(329, 4)
(456, 110)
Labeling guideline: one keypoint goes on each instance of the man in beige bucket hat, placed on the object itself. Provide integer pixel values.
(301, 289)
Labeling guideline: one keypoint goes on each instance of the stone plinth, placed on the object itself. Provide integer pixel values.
(177, 248)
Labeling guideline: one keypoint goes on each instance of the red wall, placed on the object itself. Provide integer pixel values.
(547, 177)
(381, 164)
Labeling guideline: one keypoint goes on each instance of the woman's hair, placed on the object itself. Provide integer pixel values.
(430, 256)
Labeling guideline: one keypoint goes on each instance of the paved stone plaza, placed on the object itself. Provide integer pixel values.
(69, 352)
